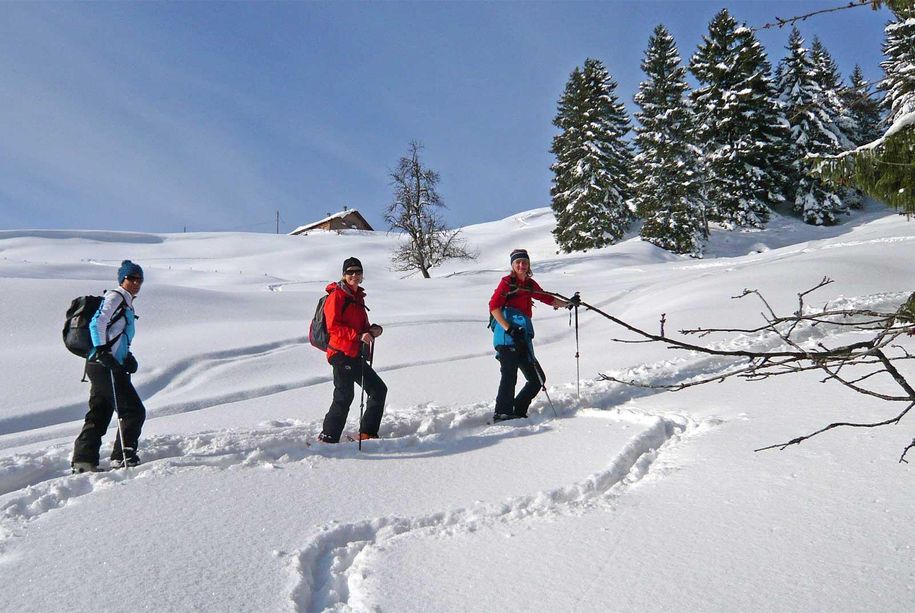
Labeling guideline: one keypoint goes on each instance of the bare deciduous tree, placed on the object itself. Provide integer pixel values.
(866, 366)
(428, 242)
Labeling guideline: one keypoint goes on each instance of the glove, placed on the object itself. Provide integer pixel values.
(107, 360)
(575, 300)
(375, 330)
(130, 364)
(518, 334)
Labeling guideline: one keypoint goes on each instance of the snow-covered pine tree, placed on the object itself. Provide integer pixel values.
(741, 130)
(826, 73)
(812, 132)
(899, 65)
(844, 126)
(591, 175)
(667, 186)
(886, 170)
(864, 109)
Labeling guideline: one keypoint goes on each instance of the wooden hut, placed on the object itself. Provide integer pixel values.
(347, 219)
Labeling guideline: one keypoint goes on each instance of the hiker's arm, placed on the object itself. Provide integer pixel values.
(497, 315)
(333, 316)
(98, 327)
(498, 299)
(538, 293)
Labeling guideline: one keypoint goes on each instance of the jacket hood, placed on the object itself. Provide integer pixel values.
(343, 287)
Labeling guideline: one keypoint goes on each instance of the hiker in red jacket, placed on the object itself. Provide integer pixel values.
(350, 341)
(511, 307)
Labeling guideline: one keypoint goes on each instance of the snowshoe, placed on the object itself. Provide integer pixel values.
(78, 468)
(129, 463)
(503, 417)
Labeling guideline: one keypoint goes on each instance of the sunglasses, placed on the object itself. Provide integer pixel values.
(352, 273)
(134, 279)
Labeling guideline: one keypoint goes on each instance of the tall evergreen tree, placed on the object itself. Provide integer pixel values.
(843, 122)
(741, 129)
(886, 170)
(864, 109)
(899, 65)
(826, 73)
(812, 132)
(591, 183)
(667, 187)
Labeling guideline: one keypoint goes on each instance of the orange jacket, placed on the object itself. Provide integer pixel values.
(346, 319)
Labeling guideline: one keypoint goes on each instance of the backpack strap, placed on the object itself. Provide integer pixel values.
(512, 287)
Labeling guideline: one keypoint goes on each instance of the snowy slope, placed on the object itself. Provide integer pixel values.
(630, 500)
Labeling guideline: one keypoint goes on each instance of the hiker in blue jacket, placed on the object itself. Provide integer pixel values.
(109, 367)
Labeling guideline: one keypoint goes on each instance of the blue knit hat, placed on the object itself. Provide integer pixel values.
(129, 269)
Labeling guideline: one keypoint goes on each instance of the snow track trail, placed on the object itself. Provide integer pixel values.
(34, 483)
(331, 567)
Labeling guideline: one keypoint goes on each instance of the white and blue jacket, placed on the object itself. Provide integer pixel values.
(108, 324)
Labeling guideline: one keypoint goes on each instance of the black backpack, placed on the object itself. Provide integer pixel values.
(318, 335)
(77, 338)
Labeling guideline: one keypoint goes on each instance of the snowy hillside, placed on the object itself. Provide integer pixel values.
(630, 500)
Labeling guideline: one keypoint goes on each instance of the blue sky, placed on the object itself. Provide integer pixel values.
(160, 116)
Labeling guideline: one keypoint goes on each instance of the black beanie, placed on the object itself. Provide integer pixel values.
(351, 263)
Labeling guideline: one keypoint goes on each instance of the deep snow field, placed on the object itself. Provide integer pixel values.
(630, 500)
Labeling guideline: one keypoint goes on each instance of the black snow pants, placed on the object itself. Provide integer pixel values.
(101, 407)
(347, 372)
(512, 360)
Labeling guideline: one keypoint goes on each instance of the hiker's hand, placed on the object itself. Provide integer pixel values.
(375, 330)
(107, 360)
(130, 364)
(367, 338)
(518, 334)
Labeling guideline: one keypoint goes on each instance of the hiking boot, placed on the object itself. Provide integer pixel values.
(77, 468)
(503, 417)
(324, 438)
(365, 436)
(130, 463)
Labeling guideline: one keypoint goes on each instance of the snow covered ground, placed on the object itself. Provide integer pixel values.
(629, 500)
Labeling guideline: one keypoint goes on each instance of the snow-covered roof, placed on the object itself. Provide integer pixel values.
(340, 215)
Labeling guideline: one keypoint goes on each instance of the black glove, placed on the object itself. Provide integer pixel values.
(107, 360)
(518, 334)
(575, 300)
(375, 330)
(130, 364)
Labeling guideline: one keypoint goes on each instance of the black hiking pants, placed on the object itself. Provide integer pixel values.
(101, 407)
(513, 360)
(347, 372)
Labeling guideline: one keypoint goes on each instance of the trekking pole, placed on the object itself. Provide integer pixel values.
(114, 395)
(543, 387)
(577, 299)
(362, 393)
(538, 369)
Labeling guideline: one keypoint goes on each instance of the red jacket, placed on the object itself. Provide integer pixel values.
(345, 325)
(522, 299)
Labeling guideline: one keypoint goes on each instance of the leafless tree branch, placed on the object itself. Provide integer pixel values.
(877, 355)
